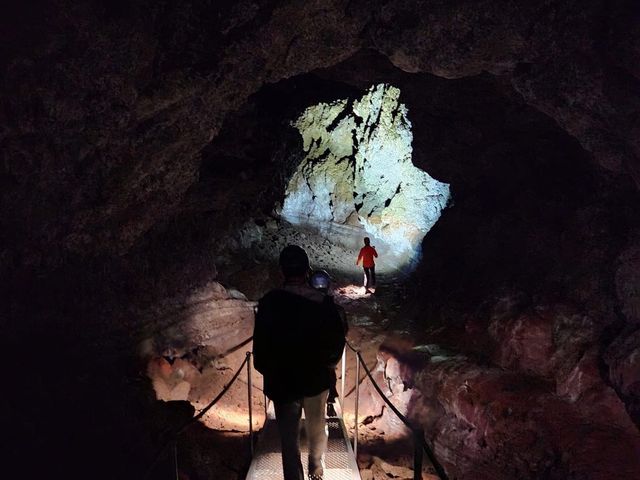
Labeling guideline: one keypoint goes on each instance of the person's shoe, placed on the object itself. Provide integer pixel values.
(315, 477)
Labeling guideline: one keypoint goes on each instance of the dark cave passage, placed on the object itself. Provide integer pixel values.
(157, 157)
(504, 296)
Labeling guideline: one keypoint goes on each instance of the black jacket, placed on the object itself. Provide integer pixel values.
(297, 342)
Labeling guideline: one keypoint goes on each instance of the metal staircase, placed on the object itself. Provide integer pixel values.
(340, 462)
(266, 464)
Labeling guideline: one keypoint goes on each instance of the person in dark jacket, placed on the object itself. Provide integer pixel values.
(298, 339)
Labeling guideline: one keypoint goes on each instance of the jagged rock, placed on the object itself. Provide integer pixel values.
(392, 471)
(129, 116)
(134, 140)
(213, 317)
(546, 341)
(358, 165)
(184, 360)
(377, 469)
(525, 342)
(466, 407)
(623, 359)
(584, 376)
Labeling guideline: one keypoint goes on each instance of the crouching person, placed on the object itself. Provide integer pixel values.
(297, 341)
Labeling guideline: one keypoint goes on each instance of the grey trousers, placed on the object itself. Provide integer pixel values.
(288, 417)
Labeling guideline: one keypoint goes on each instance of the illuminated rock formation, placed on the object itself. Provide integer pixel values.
(358, 171)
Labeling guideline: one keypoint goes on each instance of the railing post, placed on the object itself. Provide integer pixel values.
(418, 435)
(249, 400)
(343, 372)
(355, 430)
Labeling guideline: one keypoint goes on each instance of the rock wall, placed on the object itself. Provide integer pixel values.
(111, 208)
(194, 357)
(487, 422)
(358, 170)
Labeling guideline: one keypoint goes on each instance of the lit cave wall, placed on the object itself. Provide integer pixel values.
(357, 177)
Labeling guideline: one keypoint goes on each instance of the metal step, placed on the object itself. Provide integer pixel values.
(340, 463)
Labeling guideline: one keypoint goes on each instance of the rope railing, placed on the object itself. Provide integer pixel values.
(218, 397)
(420, 444)
(174, 435)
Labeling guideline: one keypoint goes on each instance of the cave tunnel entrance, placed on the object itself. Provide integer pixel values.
(357, 179)
(353, 177)
(490, 151)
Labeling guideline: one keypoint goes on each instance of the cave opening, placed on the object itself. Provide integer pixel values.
(149, 167)
(357, 179)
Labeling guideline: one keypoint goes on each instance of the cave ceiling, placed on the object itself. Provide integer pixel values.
(107, 107)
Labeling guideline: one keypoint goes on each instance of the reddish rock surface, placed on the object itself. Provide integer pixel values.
(475, 414)
(623, 360)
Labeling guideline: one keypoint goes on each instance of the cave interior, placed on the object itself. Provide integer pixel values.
(155, 162)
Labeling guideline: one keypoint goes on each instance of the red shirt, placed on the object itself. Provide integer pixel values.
(366, 255)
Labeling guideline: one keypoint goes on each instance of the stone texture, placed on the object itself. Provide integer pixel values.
(194, 357)
(491, 423)
(211, 317)
(126, 159)
(537, 45)
(130, 111)
(358, 165)
(547, 341)
(623, 360)
(584, 376)
(525, 343)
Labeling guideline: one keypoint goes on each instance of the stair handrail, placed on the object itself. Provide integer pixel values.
(420, 443)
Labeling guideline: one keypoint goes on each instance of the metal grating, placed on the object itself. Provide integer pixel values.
(340, 463)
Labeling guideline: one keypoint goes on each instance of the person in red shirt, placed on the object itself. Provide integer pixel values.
(366, 256)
